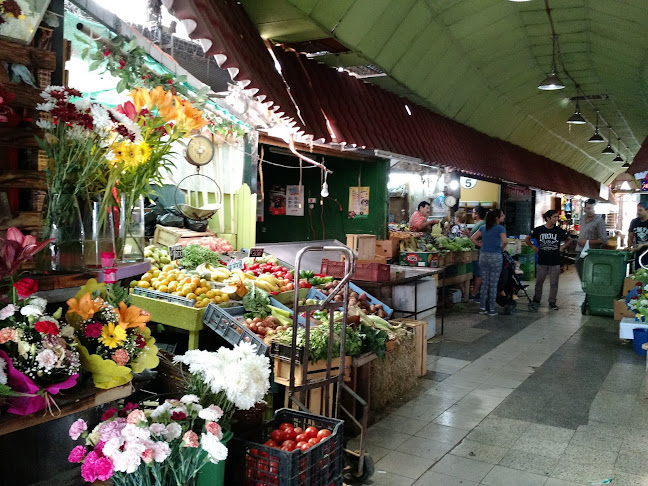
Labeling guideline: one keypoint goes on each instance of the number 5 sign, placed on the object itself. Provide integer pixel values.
(467, 182)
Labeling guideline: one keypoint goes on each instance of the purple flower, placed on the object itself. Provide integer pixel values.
(76, 454)
(93, 330)
(111, 429)
(77, 428)
(103, 468)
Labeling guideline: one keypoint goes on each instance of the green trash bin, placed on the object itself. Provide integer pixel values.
(527, 260)
(602, 281)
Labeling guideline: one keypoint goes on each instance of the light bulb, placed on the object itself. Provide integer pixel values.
(454, 185)
(325, 192)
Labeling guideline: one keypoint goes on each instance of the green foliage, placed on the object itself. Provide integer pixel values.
(256, 302)
(194, 255)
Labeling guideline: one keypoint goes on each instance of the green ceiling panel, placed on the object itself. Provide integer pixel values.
(359, 19)
(384, 27)
(328, 14)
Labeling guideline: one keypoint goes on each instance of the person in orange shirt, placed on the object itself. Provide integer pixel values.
(419, 221)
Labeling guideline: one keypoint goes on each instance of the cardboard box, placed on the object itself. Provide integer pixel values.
(419, 259)
(621, 310)
(628, 284)
(387, 248)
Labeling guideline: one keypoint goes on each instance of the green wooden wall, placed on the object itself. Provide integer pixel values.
(336, 223)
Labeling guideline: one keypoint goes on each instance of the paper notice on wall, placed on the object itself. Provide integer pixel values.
(277, 200)
(294, 200)
(358, 202)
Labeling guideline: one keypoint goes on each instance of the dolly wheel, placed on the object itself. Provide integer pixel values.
(584, 307)
(352, 460)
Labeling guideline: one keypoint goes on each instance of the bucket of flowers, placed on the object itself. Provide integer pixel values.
(113, 340)
(637, 302)
(166, 446)
(38, 351)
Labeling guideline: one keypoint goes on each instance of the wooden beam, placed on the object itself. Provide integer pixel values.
(26, 220)
(26, 96)
(23, 179)
(27, 56)
(19, 137)
(318, 149)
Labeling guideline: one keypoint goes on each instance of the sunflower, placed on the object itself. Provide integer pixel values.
(112, 335)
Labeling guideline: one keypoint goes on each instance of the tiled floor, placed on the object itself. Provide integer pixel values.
(549, 399)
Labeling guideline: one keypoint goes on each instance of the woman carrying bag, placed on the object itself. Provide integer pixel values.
(493, 241)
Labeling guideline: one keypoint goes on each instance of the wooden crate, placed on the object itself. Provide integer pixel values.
(314, 400)
(388, 248)
(168, 236)
(314, 371)
(364, 246)
(419, 329)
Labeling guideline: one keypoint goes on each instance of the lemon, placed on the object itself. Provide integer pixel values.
(133, 283)
(163, 288)
(191, 296)
(218, 299)
(146, 277)
(225, 297)
(210, 294)
(144, 284)
(173, 285)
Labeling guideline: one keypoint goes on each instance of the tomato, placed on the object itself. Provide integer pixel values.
(301, 438)
(285, 425)
(310, 432)
(305, 446)
(322, 434)
(253, 327)
(288, 445)
(270, 443)
(290, 434)
(299, 430)
(254, 452)
(300, 443)
(277, 435)
(313, 441)
(289, 276)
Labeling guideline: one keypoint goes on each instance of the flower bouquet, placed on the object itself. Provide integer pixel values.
(160, 446)
(39, 352)
(637, 302)
(113, 342)
(230, 378)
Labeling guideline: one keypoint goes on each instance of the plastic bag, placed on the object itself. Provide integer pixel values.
(585, 249)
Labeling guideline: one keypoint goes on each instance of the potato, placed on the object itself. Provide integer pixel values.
(337, 298)
(372, 308)
(362, 296)
(382, 313)
(379, 306)
(329, 286)
(353, 295)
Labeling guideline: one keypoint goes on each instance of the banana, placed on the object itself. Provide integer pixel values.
(240, 275)
(269, 278)
(267, 286)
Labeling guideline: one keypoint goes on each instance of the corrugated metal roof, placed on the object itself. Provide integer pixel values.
(336, 107)
(640, 162)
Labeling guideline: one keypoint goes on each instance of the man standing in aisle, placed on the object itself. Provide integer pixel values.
(638, 233)
(592, 230)
(419, 221)
(549, 238)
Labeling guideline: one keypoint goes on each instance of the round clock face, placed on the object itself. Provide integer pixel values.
(450, 201)
(200, 150)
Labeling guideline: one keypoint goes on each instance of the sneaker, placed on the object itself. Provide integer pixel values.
(493, 313)
(483, 311)
(475, 298)
(553, 306)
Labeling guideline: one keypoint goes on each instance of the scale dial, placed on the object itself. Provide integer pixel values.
(200, 150)
(450, 201)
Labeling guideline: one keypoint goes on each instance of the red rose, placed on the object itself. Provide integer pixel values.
(47, 327)
(108, 414)
(25, 287)
(178, 416)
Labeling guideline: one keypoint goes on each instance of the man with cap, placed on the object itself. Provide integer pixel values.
(638, 234)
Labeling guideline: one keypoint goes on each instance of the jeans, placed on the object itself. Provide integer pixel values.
(491, 267)
(541, 273)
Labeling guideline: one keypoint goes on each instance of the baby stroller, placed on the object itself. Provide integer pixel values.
(509, 285)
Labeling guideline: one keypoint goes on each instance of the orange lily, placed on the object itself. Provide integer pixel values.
(85, 307)
(132, 316)
(190, 117)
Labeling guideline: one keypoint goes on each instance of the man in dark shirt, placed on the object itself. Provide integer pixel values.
(638, 234)
(549, 238)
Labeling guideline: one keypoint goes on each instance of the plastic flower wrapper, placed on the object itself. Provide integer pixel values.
(38, 353)
(114, 342)
(637, 302)
(167, 445)
(230, 378)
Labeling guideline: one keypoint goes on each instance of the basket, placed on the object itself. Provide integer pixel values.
(225, 324)
(249, 462)
(370, 272)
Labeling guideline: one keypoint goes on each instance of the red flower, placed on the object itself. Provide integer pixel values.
(108, 414)
(25, 287)
(178, 416)
(93, 330)
(127, 408)
(47, 327)
(140, 342)
(122, 64)
(128, 109)
(106, 52)
(16, 249)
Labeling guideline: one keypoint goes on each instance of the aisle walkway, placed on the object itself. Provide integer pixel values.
(551, 398)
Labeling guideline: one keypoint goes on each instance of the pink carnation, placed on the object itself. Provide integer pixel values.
(91, 458)
(103, 468)
(88, 472)
(7, 334)
(77, 428)
(99, 448)
(214, 429)
(147, 456)
(190, 439)
(76, 454)
(135, 417)
(120, 357)
(93, 330)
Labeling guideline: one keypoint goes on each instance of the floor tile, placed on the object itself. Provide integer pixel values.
(559, 482)
(442, 433)
(546, 432)
(385, 437)
(529, 462)
(458, 420)
(632, 464)
(502, 475)
(626, 479)
(481, 411)
(384, 478)
(422, 447)
(424, 410)
(462, 468)
(447, 365)
(587, 455)
(479, 451)
(481, 399)
(580, 473)
(405, 465)
(432, 478)
(450, 392)
(376, 452)
(435, 376)
(402, 424)
(493, 390)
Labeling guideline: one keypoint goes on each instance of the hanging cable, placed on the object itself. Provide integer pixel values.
(261, 175)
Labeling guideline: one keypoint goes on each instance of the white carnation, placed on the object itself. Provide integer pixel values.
(45, 124)
(30, 310)
(172, 432)
(190, 399)
(161, 450)
(7, 312)
(157, 428)
(47, 106)
(3, 375)
(161, 410)
(213, 413)
(215, 449)
(40, 303)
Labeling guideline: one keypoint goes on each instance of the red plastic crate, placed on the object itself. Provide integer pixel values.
(369, 272)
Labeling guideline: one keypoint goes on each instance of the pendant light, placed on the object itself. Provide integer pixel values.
(608, 150)
(618, 157)
(596, 138)
(552, 81)
(626, 165)
(577, 118)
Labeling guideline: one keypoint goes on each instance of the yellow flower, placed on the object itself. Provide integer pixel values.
(189, 117)
(144, 150)
(112, 335)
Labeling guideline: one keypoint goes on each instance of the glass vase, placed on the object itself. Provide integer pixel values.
(63, 223)
(99, 234)
(131, 239)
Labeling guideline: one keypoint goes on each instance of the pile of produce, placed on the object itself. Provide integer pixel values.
(319, 340)
(317, 280)
(641, 275)
(436, 243)
(159, 257)
(218, 245)
(289, 439)
(194, 255)
(355, 299)
(456, 244)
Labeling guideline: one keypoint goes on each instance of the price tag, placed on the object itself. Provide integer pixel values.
(235, 265)
(256, 252)
(175, 252)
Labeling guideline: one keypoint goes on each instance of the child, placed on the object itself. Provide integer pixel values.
(459, 228)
